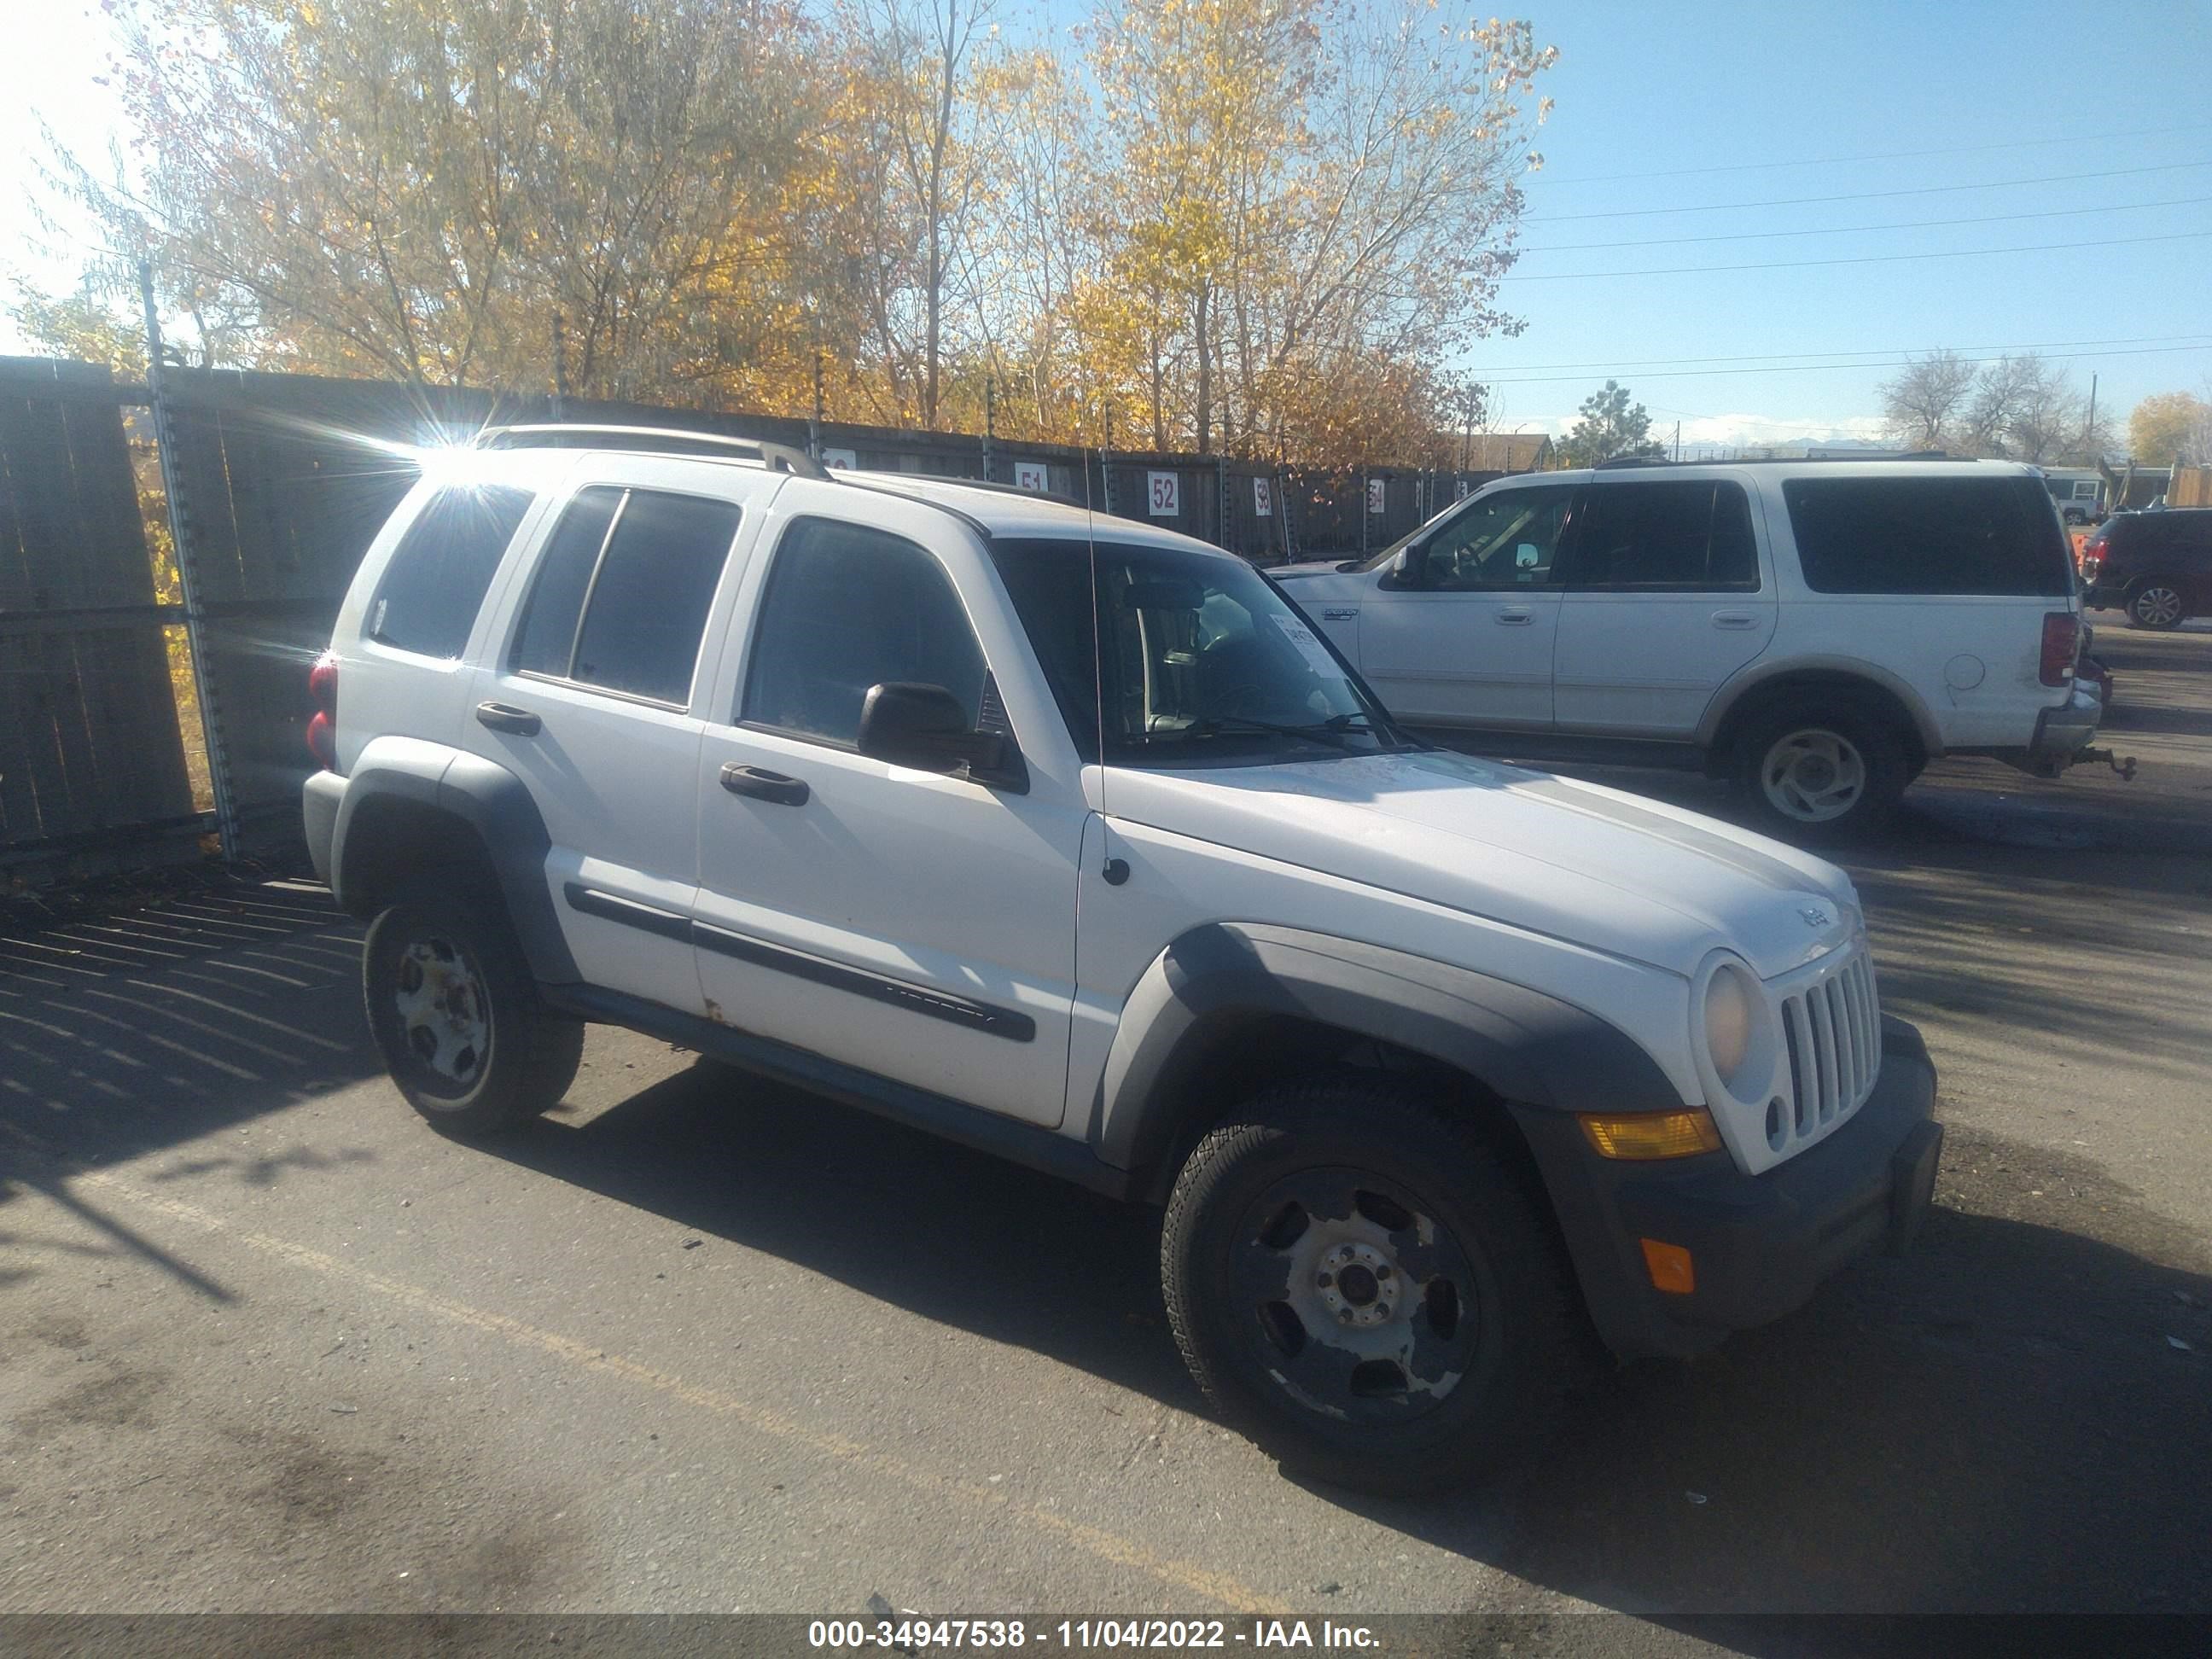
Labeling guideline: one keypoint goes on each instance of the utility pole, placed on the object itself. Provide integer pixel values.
(560, 368)
(1678, 441)
(188, 573)
(2090, 432)
(814, 421)
(990, 419)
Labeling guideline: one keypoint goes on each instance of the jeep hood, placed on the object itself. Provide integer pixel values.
(1598, 867)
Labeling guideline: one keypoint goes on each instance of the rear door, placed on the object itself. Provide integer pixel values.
(1663, 599)
(589, 700)
(1466, 638)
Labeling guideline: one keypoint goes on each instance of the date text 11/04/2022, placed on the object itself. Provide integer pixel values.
(912, 1633)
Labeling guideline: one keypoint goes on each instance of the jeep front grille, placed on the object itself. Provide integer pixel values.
(1832, 1021)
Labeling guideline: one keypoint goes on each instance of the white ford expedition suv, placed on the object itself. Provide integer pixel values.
(1818, 631)
(1070, 840)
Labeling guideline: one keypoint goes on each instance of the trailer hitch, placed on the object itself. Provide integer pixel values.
(2125, 766)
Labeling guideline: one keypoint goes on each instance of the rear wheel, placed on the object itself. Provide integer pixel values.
(1367, 1288)
(457, 1015)
(1821, 772)
(2157, 606)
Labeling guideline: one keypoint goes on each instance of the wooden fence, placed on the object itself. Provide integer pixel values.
(279, 482)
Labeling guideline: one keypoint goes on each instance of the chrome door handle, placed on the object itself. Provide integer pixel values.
(1735, 619)
(506, 717)
(1517, 617)
(763, 784)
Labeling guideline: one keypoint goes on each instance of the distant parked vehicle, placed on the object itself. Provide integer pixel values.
(1817, 631)
(2075, 489)
(2155, 565)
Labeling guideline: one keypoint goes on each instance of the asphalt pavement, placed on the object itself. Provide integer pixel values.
(268, 1344)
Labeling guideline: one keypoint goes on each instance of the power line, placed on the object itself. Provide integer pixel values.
(1810, 368)
(1859, 260)
(1867, 195)
(1849, 230)
(2183, 340)
(1875, 156)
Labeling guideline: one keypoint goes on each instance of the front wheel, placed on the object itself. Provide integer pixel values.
(1821, 774)
(2157, 606)
(1367, 1288)
(456, 1013)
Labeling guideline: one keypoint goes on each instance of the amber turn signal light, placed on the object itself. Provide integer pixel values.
(1669, 1266)
(1652, 1134)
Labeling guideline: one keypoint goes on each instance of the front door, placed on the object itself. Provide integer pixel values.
(917, 926)
(1466, 638)
(1662, 603)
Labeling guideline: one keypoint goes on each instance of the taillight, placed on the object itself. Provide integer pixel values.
(2061, 643)
(323, 729)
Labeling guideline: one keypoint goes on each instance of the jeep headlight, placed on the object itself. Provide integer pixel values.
(1734, 1027)
(1728, 1022)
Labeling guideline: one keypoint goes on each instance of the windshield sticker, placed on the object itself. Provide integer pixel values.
(1311, 649)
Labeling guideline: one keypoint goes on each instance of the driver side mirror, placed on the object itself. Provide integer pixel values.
(924, 726)
(1409, 568)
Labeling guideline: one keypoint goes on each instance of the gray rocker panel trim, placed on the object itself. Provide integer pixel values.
(493, 803)
(1529, 1049)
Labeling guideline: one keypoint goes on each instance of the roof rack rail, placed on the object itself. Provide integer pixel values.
(1632, 460)
(653, 440)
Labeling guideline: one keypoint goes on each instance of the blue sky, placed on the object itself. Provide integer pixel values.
(1710, 104)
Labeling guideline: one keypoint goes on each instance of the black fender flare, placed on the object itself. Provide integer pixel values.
(1526, 1047)
(490, 802)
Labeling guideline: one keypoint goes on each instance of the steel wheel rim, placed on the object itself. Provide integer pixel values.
(2159, 606)
(1354, 1300)
(444, 1012)
(1813, 776)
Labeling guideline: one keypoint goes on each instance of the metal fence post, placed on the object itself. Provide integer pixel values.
(188, 577)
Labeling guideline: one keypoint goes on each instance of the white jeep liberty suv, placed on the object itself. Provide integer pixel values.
(1068, 839)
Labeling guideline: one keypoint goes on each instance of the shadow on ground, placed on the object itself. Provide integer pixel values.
(1998, 1421)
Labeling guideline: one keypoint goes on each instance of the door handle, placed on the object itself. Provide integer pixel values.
(506, 717)
(1735, 619)
(1518, 616)
(762, 785)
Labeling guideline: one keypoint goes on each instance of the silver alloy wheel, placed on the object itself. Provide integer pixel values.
(2156, 607)
(1814, 775)
(444, 1011)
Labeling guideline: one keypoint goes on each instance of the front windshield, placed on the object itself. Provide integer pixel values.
(1198, 657)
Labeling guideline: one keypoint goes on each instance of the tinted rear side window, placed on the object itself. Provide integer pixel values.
(1987, 536)
(649, 600)
(1677, 537)
(640, 567)
(439, 575)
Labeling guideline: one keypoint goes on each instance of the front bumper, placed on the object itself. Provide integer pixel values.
(1761, 1245)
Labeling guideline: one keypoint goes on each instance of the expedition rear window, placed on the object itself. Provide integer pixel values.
(1988, 535)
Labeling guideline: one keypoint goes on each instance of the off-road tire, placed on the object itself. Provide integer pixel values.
(1882, 750)
(1525, 1320)
(529, 1053)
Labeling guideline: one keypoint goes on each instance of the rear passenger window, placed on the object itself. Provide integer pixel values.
(1677, 537)
(439, 575)
(623, 592)
(848, 608)
(1989, 536)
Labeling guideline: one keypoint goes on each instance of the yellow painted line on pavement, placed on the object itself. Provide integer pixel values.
(1217, 1586)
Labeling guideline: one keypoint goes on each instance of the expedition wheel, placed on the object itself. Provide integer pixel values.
(1366, 1289)
(457, 1015)
(2157, 606)
(1822, 773)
